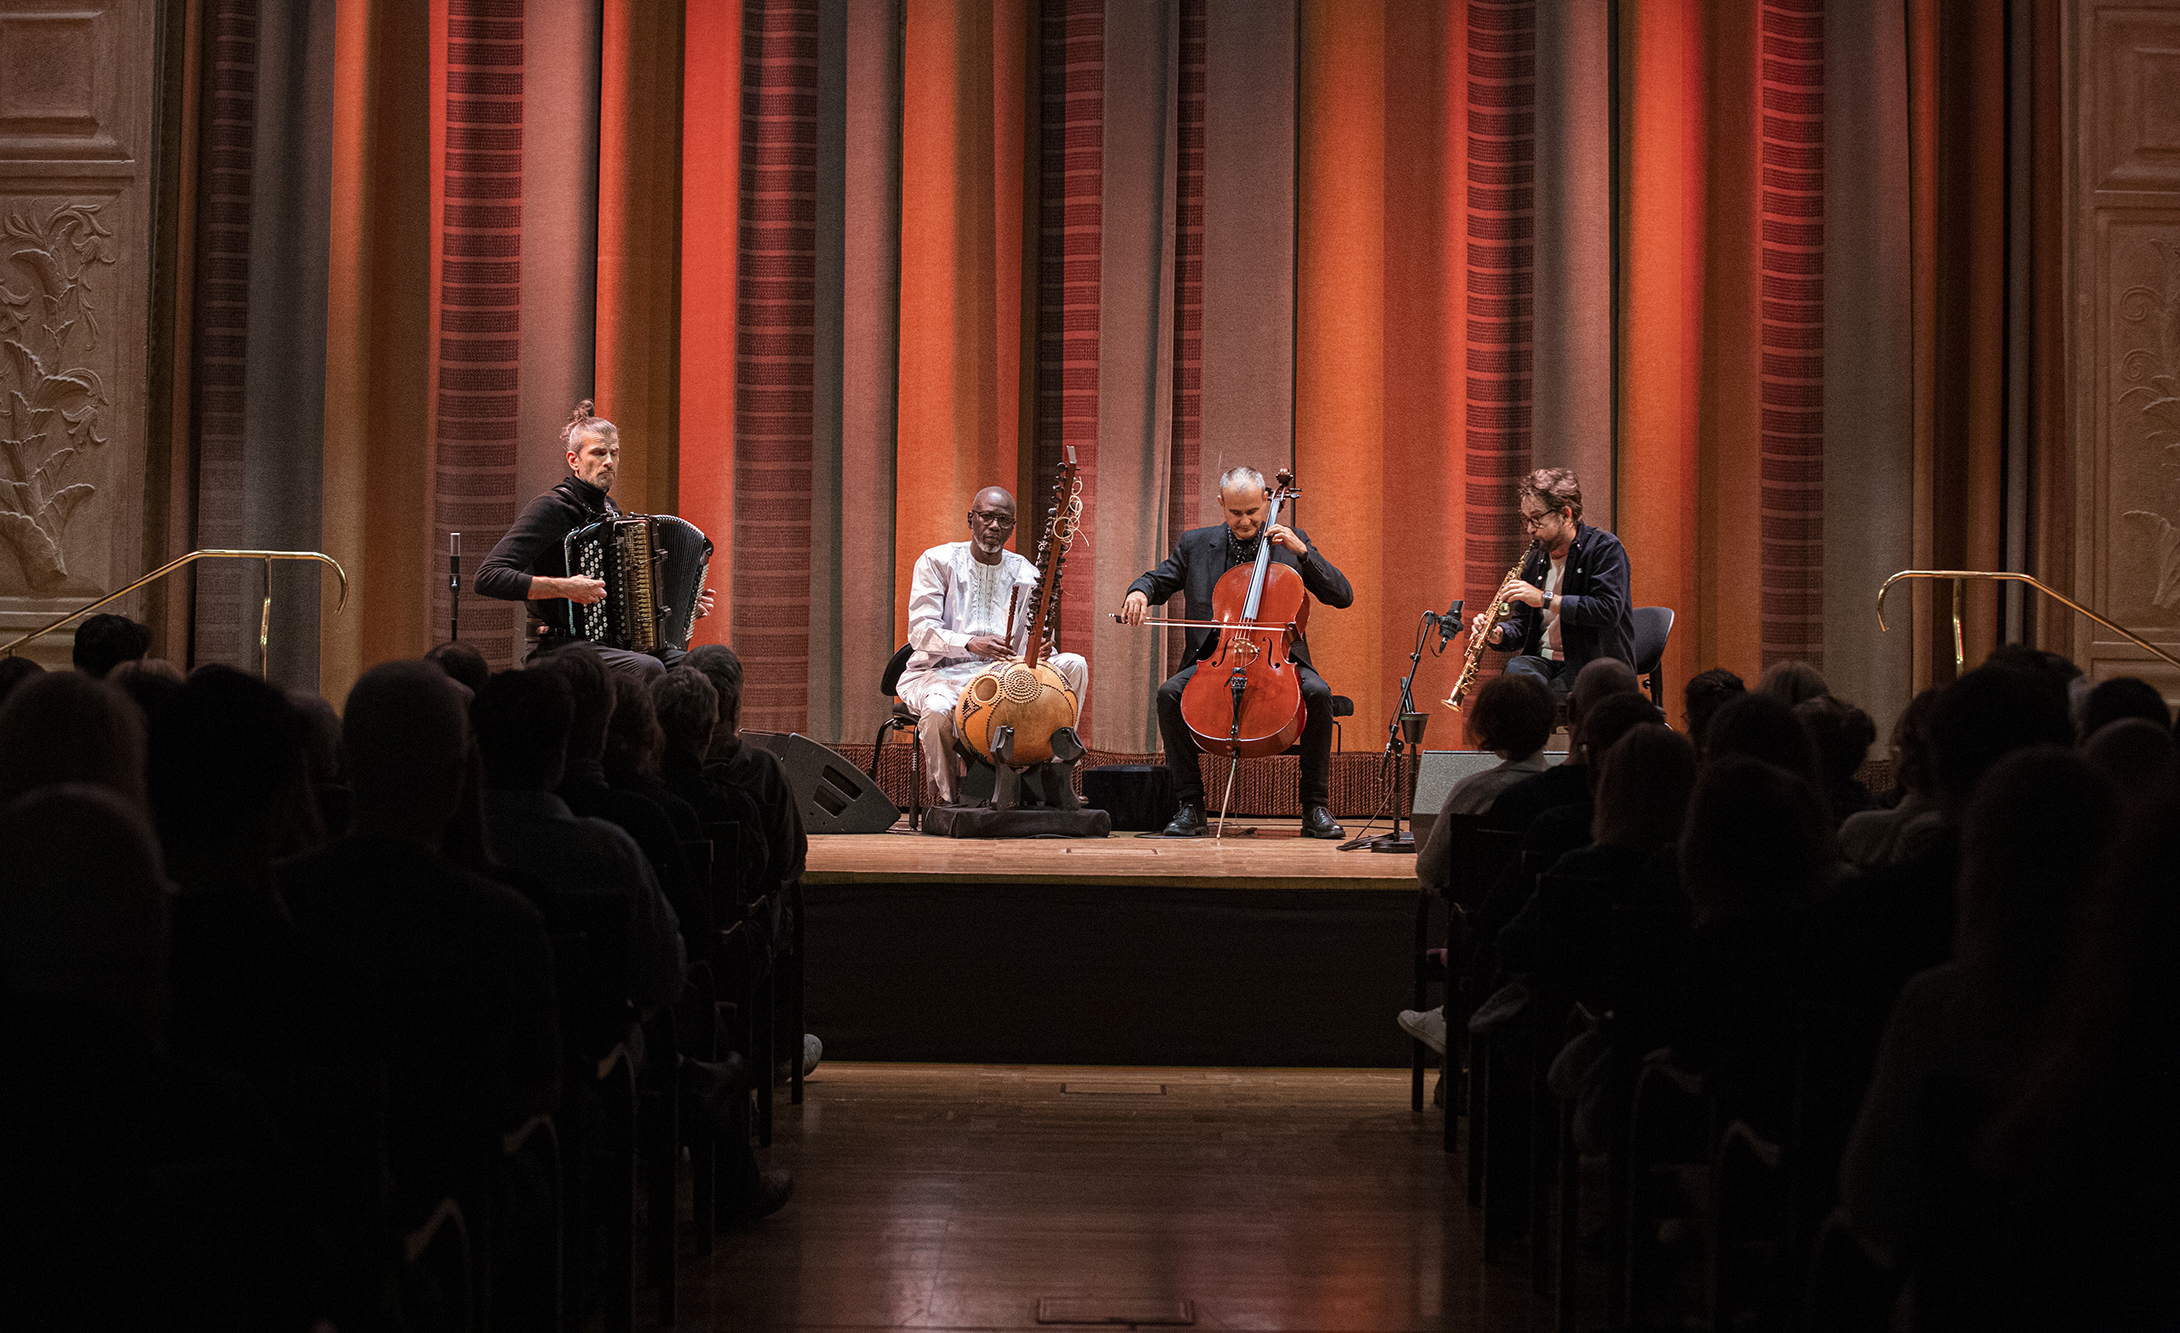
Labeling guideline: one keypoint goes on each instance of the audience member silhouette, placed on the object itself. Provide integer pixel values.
(2032, 846)
(752, 770)
(459, 968)
(2134, 754)
(1512, 718)
(1884, 837)
(462, 663)
(253, 993)
(1568, 781)
(150, 681)
(1762, 725)
(522, 720)
(1792, 682)
(14, 671)
(634, 748)
(1701, 698)
(141, 1192)
(2080, 1166)
(583, 785)
(105, 641)
(1842, 735)
(63, 726)
(2122, 696)
(1756, 847)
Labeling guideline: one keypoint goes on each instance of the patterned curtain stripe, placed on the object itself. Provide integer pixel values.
(479, 302)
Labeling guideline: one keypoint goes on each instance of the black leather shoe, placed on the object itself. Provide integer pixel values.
(1189, 822)
(1317, 822)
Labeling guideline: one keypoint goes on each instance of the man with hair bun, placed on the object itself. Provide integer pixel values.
(530, 564)
(1569, 603)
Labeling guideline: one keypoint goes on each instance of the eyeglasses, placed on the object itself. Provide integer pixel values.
(1531, 522)
(991, 520)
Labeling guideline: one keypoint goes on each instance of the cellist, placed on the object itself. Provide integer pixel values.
(1198, 559)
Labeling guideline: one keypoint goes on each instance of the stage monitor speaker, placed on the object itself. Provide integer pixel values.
(1437, 771)
(835, 795)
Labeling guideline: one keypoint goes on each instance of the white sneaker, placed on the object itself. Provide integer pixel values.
(1428, 1028)
(813, 1050)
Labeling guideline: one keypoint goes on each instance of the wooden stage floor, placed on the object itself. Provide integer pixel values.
(956, 1197)
(1255, 854)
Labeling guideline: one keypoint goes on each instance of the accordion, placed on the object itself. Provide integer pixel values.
(653, 568)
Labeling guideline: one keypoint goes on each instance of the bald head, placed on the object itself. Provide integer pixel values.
(1599, 680)
(991, 522)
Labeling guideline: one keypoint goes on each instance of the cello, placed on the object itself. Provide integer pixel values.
(1245, 700)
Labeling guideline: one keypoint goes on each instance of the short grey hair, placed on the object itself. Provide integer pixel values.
(1235, 476)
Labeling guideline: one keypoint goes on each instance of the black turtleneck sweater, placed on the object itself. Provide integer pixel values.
(533, 548)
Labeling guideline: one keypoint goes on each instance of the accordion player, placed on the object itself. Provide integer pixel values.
(653, 567)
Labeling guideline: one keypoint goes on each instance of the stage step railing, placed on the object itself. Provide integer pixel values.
(1960, 576)
(264, 618)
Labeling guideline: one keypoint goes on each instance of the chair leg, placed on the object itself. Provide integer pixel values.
(1570, 1219)
(915, 780)
(795, 1000)
(1479, 1119)
(1422, 996)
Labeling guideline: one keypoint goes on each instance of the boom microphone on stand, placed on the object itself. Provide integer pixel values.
(1449, 624)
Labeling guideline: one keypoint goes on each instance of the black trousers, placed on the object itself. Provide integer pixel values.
(620, 661)
(1558, 677)
(1181, 751)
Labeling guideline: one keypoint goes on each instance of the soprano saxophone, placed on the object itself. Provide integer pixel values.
(1477, 641)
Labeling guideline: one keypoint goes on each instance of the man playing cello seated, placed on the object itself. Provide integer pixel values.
(1199, 558)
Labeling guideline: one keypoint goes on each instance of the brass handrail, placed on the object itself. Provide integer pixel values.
(1957, 576)
(264, 617)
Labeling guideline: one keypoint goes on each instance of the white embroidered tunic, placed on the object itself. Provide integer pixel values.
(952, 598)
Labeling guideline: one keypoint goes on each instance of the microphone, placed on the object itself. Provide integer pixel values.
(1449, 624)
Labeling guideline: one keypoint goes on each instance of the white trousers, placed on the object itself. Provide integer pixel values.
(933, 695)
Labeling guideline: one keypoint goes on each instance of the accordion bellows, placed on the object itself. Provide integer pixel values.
(653, 567)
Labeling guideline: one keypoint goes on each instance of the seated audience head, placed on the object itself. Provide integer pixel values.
(1512, 716)
(1986, 715)
(522, 720)
(1605, 722)
(633, 739)
(151, 681)
(321, 737)
(1763, 726)
(1701, 698)
(2134, 754)
(1792, 681)
(1913, 765)
(1842, 735)
(2035, 837)
(590, 689)
(1600, 679)
(406, 732)
(462, 662)
(14, 671)
(2122, 696)
(722, 666)
(227, 778)
(1642, 789)
(1756, 840)
(104, 642)
(65, 726)
(688, 711)
(83, 905)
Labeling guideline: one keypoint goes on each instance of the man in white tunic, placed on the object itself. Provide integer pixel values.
(958, 600)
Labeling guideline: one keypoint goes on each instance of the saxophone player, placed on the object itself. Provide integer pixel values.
(1569, 604)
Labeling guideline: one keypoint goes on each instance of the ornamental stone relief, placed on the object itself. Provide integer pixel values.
(50, 334)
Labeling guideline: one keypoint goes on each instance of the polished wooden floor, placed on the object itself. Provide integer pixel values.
(959, 1197)
(1253, 854)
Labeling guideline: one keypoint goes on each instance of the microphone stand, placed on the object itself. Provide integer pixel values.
(1403, 737)
(454, 586)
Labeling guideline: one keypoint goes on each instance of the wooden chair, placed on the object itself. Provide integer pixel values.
(524, 1234)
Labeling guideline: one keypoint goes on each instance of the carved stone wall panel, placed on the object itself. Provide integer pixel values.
(2123, 294)
(75, 282)
(2134, 96)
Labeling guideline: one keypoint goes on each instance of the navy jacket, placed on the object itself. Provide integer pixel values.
(1596, 614)
(1200, 557)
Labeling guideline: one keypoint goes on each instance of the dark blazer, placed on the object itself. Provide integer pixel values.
(533, 546)
(1198, 560)
(1596, 614)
